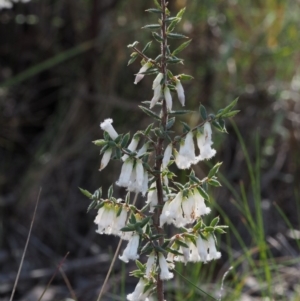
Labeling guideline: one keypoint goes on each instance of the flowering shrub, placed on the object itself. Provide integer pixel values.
(166, 201)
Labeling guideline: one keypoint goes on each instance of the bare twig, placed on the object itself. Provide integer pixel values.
(25, 249)
(53, 276)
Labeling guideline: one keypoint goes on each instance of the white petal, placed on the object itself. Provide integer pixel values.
(130, 251)
(168, 98)
(139, 173)
(152, 198)
(213, 253)
(150, 265)
(105, 159)
(140, 76)
(180, 92)
(125, 173)
(167, 156)
(157, 80)
(156, 96)
(107, 127)
(132, 146)
(165, 274)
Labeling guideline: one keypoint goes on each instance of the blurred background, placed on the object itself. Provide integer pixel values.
(63, 70)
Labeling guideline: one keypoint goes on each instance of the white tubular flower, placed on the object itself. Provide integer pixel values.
(194, 255)
(136, 182)
(186, 155)
(143, 150)
(211, 244)
(139, 75)
(164, 217)
(130, 251)
(156, 96)
(152, 197)
(144, 187)
(157, 80)
(119, 221)
(204, 143)
(185, 257)
(180, 92)
(174, 211)
(105, 219)
(138, 294)
(107, 127)
(124, 179)
(139, 174)
(188, 208)
(105, 159)
(150, 265)
(167, 156)
(132, 146)
(200, 206)
(202, 248)
(168, 98)
(165, 274)
(170, 260)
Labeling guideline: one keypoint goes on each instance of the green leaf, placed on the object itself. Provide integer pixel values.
(125, 140)
(185, 126)
(182, 244)
(132, 219)
(175, 252)
(132, 59)
(157, 37)
(170, 123)
(194, 179)
(173, 24)
(148, 129)
(220, 230)
(92, 205)
(118, 154)
(217, 125)
(180, 112)
(185, 77)
(180, 13)
(198, 225)
(154, 10)
(181, 47)
(147, 46)
(170, 74)
(157, 4)
(128, 228)
(139, 265)
(214, 182)
(230, 114)
(151, 26)
(215, 221)
(144, 221)
(86, 193)
(119, 210)
(110, 192)
(99, 142)
(203, 112)
(203, 193)
(150, 113)
(173, 35)
(174, 60)
(228, 108)
(214, 170)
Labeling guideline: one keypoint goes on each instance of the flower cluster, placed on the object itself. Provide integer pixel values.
(147, 161)
(182, 211)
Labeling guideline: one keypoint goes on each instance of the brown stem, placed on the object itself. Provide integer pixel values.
(160, 144)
